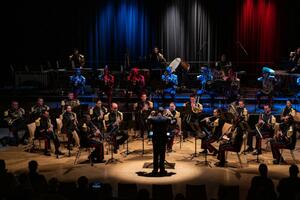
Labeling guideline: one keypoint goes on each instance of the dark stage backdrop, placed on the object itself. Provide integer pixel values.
(258, 31)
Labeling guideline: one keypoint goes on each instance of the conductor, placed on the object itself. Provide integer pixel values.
(159, 125)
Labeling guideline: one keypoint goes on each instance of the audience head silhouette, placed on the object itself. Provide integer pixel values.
(32, 166)
(263, 170)
(294, 170)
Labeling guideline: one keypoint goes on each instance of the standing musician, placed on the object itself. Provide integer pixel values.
(38, 109)
(170, 82)
(264, 129)
(113, 120)
(136, 82)
(142, 110)
(70, 101)
(107, 84)
(285, 137)
(44, 128)
(157, 59)
(15, 118)
(78, 82)
(69, 126)
(224, 65)
(77, 60)
(97, 114)
(175, 125)
(159, 124)
(268, 80)
(215, 123)
(295, 60)
(94, 139)
(192, 115)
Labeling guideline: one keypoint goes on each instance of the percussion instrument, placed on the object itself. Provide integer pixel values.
(185, 66)
(268, 70)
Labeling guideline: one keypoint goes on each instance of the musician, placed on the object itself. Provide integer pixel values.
(15, 118)
(286, 138)
(113, 120)
(157, 59)
(175, 125)
(224, 65)
(192, 115)
(295, 60)
(215, 124)
(77, 60)
(136, 82)
(170, 82)
(78, 82)
(44, 128)
(107, 83)
(69, 126)
(231, 142)
(243, 116)
(37, 110)
(97, 114)
(206, 82)
(160, 126)
(70, 101)
(94, 139)
(264, 129)
(142, 110)
(268, 80)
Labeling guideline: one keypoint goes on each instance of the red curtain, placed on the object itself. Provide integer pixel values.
(258, 31)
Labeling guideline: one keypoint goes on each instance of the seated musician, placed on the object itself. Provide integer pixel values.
(268, 80)
(78, 83)
(39, 107)
(70, 101)
(15, 118)
(94, 139)
(44, 128)
(170, 82)
(285, 138)
(175, 126)
(107, 83)
(192, 115)
(113, 120)
(243, 116)
(264, 129)
(69, 127)
(215, 124)
(230, 142)
(97, 113)
(136, 82)
(285, 133)
(142, 110)
(206, 82)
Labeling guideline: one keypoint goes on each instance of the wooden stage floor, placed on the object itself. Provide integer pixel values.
(186, 172)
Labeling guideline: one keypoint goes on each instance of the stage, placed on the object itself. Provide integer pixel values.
(185, 172)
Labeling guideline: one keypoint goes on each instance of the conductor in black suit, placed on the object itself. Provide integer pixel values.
(159, 124)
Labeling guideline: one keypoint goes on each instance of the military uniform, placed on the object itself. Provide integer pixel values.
(142, 115)
(69, 127)
(15, 119)
(97, 115)
(44, 129)
(112, 125)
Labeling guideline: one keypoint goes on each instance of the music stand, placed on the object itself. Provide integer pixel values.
(195, 154)
(112, 159)
(204, 162)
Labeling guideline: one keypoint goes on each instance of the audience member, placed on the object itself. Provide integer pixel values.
(262, 187)
(289, 188)
(7, 181)
(38, 181)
